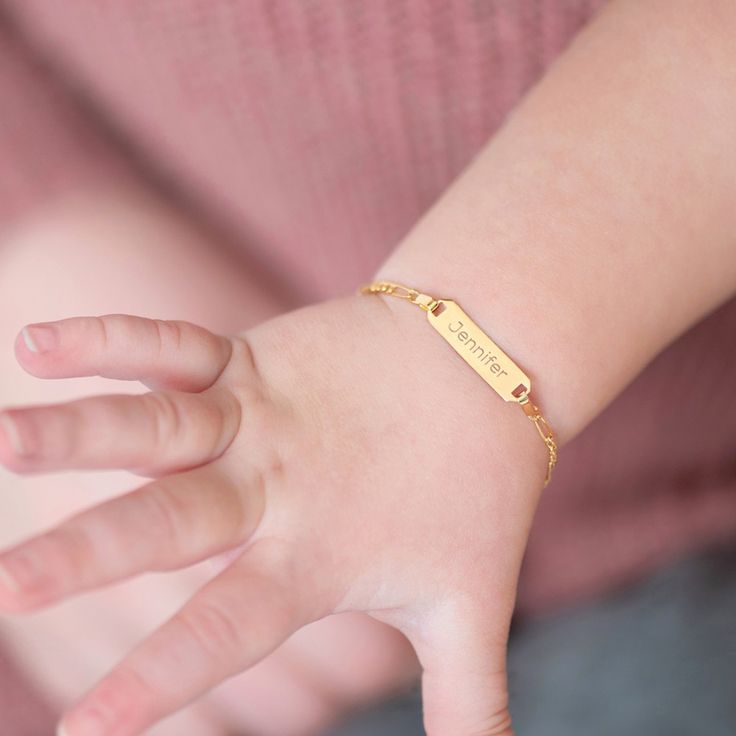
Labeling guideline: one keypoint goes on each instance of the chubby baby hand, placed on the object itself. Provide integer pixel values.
(341, 456)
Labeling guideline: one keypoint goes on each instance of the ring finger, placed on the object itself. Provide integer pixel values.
(151, 434)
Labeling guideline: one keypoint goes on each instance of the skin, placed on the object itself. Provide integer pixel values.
(405, 493)
(335, 664)
(292, 474)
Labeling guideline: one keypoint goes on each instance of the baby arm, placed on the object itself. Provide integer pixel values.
(599, 224)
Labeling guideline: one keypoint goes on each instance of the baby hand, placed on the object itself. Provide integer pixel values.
(341, 455)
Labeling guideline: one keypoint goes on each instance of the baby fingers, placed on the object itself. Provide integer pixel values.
(166, 524)
(231, 624)
(152, 434)
(160, 353)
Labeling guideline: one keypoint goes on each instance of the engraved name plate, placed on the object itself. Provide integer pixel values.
(478, 350)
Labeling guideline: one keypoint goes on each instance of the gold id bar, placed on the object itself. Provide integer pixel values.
(478, 350)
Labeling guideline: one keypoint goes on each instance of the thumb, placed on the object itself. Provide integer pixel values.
(464, 683)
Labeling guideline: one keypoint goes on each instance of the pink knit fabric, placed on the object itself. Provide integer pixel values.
(319, 132)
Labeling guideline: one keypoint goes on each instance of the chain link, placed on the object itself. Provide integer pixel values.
(423, 301)
(428, 304)
(545, 432)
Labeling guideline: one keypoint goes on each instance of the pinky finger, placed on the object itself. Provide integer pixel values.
(231, 624)
(160, 353)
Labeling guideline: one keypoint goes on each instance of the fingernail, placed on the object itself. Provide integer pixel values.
(39, 338)
(7, 581)
(90, 722)
(10, 428)
(20, 570)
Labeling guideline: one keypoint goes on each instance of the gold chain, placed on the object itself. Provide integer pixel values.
(430, 304)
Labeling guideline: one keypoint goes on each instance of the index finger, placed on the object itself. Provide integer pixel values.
(227, 627)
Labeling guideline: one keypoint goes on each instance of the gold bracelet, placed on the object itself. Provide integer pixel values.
(481, 353)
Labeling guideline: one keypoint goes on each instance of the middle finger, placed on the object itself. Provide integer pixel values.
(164, 525)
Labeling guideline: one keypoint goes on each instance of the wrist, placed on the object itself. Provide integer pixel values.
(585, 238)
(522, 330)
(491, 423)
